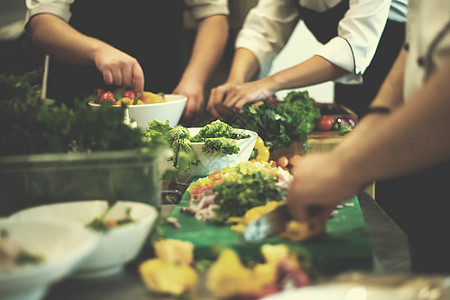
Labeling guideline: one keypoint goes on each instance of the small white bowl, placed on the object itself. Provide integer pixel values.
(170, 110)
(62, 243)
(116, 246)
(210, 162)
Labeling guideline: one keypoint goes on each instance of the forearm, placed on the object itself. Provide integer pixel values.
(315, 70)
(390, 94)
(414, 136)
(244, 66)
(62, 41)
(208, 48)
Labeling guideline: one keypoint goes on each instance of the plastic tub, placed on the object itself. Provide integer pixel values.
(30, 180)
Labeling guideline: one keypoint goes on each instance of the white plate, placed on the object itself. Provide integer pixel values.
(117, 246)
(64, 244)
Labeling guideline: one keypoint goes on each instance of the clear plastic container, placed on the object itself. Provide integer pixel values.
(30, 180)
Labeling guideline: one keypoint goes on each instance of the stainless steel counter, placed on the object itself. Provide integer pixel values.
(391, 256)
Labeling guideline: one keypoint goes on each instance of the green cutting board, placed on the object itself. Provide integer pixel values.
(345, 246)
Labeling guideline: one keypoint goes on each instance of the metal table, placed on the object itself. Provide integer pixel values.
(391, 256)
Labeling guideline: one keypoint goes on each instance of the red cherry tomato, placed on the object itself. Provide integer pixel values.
(129, 94)
(325, 123)
(107, 96)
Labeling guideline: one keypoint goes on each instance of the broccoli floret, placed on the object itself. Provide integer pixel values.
(222, 144)
(184, 157)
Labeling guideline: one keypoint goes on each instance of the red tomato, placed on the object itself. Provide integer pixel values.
(325, 123)
(107, 96)
(129, 94)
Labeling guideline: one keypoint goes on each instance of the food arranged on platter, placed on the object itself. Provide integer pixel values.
(12, 254)
(232, 191)
(127, 97)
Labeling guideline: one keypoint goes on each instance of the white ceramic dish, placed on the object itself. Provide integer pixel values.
(63, 244)
(210, 162)
(116, 246)
(170, 110)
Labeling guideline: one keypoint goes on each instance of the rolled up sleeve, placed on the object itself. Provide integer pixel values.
(59, 8)
(201, 9)
(267, 29)
(358, 35)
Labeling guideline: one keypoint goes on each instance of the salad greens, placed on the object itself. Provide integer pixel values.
(33, 125)
(217, 136)
(236, 197)
(280, 124)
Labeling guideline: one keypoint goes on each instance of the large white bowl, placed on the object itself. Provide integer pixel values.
(117, 246)
(63, 244)
(210, 162)
(170, 110)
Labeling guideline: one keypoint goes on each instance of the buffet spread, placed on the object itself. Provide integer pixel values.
(54, 159)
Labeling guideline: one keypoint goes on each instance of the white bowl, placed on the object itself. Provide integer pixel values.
(210, 162)
(116, 246)
(63, 244)
(170, 110)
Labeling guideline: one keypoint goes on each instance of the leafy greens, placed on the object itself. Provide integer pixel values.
(283, 123)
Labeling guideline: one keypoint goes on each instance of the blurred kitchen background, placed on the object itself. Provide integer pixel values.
(18, 54)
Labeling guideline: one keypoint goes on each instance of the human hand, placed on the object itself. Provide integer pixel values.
(230, 98)
(319, 181)
(195, 101)
(119, 68)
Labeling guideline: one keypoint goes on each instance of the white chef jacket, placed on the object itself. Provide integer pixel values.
(199, 8)
(427, 41)
(270, 23)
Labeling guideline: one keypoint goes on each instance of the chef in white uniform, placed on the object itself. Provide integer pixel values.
(361, 39)
(403, 142)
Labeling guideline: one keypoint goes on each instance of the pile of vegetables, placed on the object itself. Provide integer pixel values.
(33, 125)
(280, 123)
(217, 136)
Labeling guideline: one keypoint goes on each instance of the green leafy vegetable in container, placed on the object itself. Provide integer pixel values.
(217, 136)
(281, 123)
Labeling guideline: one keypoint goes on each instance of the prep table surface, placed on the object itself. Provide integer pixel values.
(391, 255)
